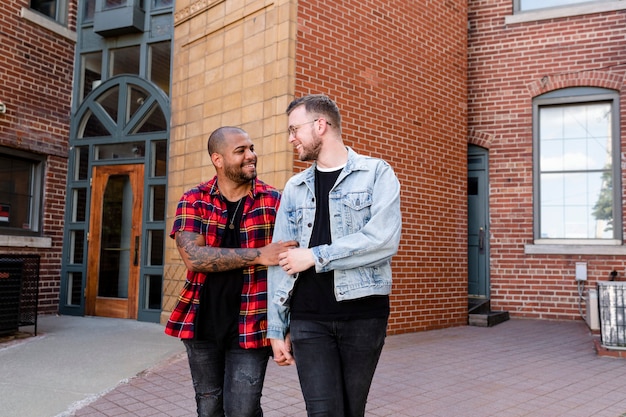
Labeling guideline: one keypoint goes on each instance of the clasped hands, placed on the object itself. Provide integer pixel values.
(282, 351)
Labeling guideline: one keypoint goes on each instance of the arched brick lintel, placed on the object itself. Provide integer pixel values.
(480, 138)
(603, 79)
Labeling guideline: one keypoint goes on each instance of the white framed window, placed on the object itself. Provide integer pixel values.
(577, 187)
(536, 10)
(525, 5)
(21, 184)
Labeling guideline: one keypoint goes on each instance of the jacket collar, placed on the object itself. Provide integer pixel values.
(355, 162)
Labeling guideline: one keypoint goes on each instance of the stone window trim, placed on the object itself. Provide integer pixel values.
(51, 25)
(565, 11)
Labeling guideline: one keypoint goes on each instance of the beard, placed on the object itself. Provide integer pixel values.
(312, 152)
(238, 175)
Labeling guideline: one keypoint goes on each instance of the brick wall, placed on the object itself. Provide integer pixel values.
(397, 70)
(35, 84)
(509, 64)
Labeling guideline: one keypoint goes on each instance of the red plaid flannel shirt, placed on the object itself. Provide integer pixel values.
(202, 210)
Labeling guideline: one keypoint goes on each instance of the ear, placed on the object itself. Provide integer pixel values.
(217, 160)
(323, 126)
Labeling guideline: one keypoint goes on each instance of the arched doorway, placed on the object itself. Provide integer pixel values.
(115, 227)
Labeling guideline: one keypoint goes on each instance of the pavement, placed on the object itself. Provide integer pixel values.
(98, 367)
(75, 360)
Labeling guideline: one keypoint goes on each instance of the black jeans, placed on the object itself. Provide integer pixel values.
(227, 382)
(336, 361)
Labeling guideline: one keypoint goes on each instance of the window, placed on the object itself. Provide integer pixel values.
(89, 8)
(108, 4)
(535, 10)
(577, 187)
(91, 72)
(163, 3)
(125, 60)
(159, 64)
(524, 5)
(54, 9)
(21, 178)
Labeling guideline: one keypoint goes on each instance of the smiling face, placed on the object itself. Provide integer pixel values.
(303, 134)
(237, 158)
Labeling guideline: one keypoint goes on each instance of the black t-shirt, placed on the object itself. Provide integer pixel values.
(217, 318)
(314, 294)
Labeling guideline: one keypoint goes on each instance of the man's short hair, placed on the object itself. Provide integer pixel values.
(318, 105)
(216, 141)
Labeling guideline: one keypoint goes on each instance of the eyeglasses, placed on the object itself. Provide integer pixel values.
(294, 129)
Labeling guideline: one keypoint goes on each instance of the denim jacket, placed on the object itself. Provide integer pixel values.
(365, 227)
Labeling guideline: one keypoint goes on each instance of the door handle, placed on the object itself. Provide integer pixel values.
(481, 239)
(136, 257)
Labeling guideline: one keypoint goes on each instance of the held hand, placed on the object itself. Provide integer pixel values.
(296, 260)
(268, 255)
(282, 351)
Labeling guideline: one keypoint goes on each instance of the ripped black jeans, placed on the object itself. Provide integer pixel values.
(228, 382)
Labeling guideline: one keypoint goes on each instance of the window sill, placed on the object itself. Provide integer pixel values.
(25, 241)
(603, 248)
(557, 12)
(26, 13)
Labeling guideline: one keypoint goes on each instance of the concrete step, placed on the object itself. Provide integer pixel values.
(488, 319)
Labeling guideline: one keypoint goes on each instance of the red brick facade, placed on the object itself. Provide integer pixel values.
(416, 82)
(36, 67)
(510, 64)
(397, 70)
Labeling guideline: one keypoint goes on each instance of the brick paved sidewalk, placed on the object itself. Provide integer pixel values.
(517, 368)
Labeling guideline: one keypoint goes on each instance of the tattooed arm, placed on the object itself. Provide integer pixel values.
(201, 258)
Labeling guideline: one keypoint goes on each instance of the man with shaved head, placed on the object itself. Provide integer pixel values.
(223, 230)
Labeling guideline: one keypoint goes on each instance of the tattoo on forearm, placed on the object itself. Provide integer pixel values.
(212, 259)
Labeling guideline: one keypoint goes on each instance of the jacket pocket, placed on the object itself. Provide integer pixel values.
(356, 210)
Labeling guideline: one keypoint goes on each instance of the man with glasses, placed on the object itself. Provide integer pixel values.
(223, 231)
(329, 298)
